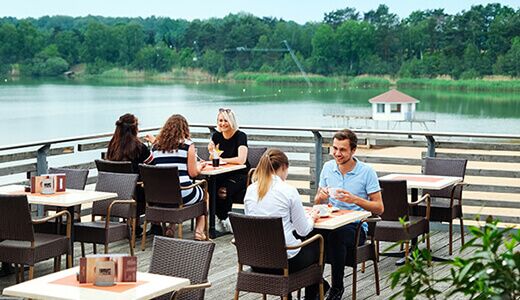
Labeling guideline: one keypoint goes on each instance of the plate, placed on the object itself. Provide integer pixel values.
(334, 209)
(323, 210)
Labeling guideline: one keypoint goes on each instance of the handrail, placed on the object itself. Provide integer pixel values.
(281, 128)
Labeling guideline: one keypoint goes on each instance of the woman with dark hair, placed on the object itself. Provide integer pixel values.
(233, 144)
(125, 145)
(173, 147)
(271, 196)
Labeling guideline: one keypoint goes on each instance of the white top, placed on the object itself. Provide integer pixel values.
(421, 181)
(149, 286)
(282, 200)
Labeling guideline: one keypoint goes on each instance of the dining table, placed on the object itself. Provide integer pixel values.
(211, 173)
(64, 285)
(67, 199)
(339, 217)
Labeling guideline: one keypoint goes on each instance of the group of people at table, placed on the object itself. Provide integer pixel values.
(344, 182)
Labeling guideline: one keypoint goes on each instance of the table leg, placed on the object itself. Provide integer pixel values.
(70, 209)
(212, 205)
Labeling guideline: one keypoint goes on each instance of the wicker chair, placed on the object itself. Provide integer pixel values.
(446, 204)
(253, 156)
(76, 179)
(260, 243)
(21, 245)
(103, 165)
(396, 203)
(364, 253)
(107, 231)
(164, 201)
(186, 259)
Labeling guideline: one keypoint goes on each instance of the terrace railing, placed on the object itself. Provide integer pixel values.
(493, 159)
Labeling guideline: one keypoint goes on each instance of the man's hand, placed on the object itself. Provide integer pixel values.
(344, 196)
(323, 195)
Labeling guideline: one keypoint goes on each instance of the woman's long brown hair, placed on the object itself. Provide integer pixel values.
(124, 145)
(174, 132)
(270, 162)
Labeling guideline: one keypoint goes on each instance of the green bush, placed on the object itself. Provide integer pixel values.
(366, 82)
(491, 272)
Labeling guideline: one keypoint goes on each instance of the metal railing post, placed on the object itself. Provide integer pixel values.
(318, 152)
(431, 146)
(41, 168)
(41, 159)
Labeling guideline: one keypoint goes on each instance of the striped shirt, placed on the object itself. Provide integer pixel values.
(179, 159)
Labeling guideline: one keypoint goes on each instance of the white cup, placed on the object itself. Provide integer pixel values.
(333, 192)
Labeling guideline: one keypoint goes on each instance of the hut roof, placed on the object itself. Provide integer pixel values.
(393, 96)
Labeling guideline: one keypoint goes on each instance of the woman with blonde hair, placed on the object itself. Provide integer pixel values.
(233, 144)
(173, 147)
(270, 195)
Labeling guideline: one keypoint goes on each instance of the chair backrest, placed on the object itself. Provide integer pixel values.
(161, 185)
(75, 178)
(103, 165)
(15, 218)
(254, 154)
(260, 241)
(203, 152)
(123, 185)
(182, 258)
(446, 167)
(395, 199)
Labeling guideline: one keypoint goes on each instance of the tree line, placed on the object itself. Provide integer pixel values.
(484, 40)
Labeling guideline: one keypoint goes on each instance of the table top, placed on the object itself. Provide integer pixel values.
(68, 198)
(421, 181)
(210, 170)
(340, 218)
(63, 285)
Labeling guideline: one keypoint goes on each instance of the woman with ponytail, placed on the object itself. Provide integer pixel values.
(270, 195)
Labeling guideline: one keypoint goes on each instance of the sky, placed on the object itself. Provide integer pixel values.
(300, 11)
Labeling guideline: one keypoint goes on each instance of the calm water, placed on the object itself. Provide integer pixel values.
(40, 110)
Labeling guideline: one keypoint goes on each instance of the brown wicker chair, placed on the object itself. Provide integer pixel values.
(107, 231)
(446, 204)
(364, 253)
(186, 259)
(164, 201)
(396, 203)
(21, 245)
(76, 179)
(253, 156)
(260, 243)
(103, 165)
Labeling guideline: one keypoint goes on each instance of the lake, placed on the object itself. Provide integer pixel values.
(39, 110)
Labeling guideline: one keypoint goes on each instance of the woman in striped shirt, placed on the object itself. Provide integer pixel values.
(173, 147)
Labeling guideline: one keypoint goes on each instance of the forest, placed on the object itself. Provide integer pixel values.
(480, 41)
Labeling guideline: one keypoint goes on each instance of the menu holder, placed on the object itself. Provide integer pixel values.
(49, 183)
(125, 268)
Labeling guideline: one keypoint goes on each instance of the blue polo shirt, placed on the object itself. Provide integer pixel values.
(360, 181)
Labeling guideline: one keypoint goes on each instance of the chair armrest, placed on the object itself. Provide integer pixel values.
(371, 219)
(202, 182)
(57, 215)
(132, 203)
(427, 198)
(461, 184)
(191, 287)
(316, 237)
(250, 176)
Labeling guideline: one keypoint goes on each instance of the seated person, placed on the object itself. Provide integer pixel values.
(233, 144)
(173, 147)
(270, 195)
(358, 189)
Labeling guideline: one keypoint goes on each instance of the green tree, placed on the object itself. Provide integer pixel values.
(324, 44)
(337, 17)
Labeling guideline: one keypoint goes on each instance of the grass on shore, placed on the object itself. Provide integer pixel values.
(462, 85)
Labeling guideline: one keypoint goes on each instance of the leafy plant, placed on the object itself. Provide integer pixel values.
(492, 271)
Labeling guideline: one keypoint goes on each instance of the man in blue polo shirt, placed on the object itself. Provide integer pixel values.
(357, 188)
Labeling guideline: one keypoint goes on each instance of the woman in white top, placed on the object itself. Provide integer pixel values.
(270, 195)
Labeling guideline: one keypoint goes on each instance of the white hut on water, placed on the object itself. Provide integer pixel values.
(393, 106)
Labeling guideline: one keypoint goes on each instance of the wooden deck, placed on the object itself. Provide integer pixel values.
(224, 267)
